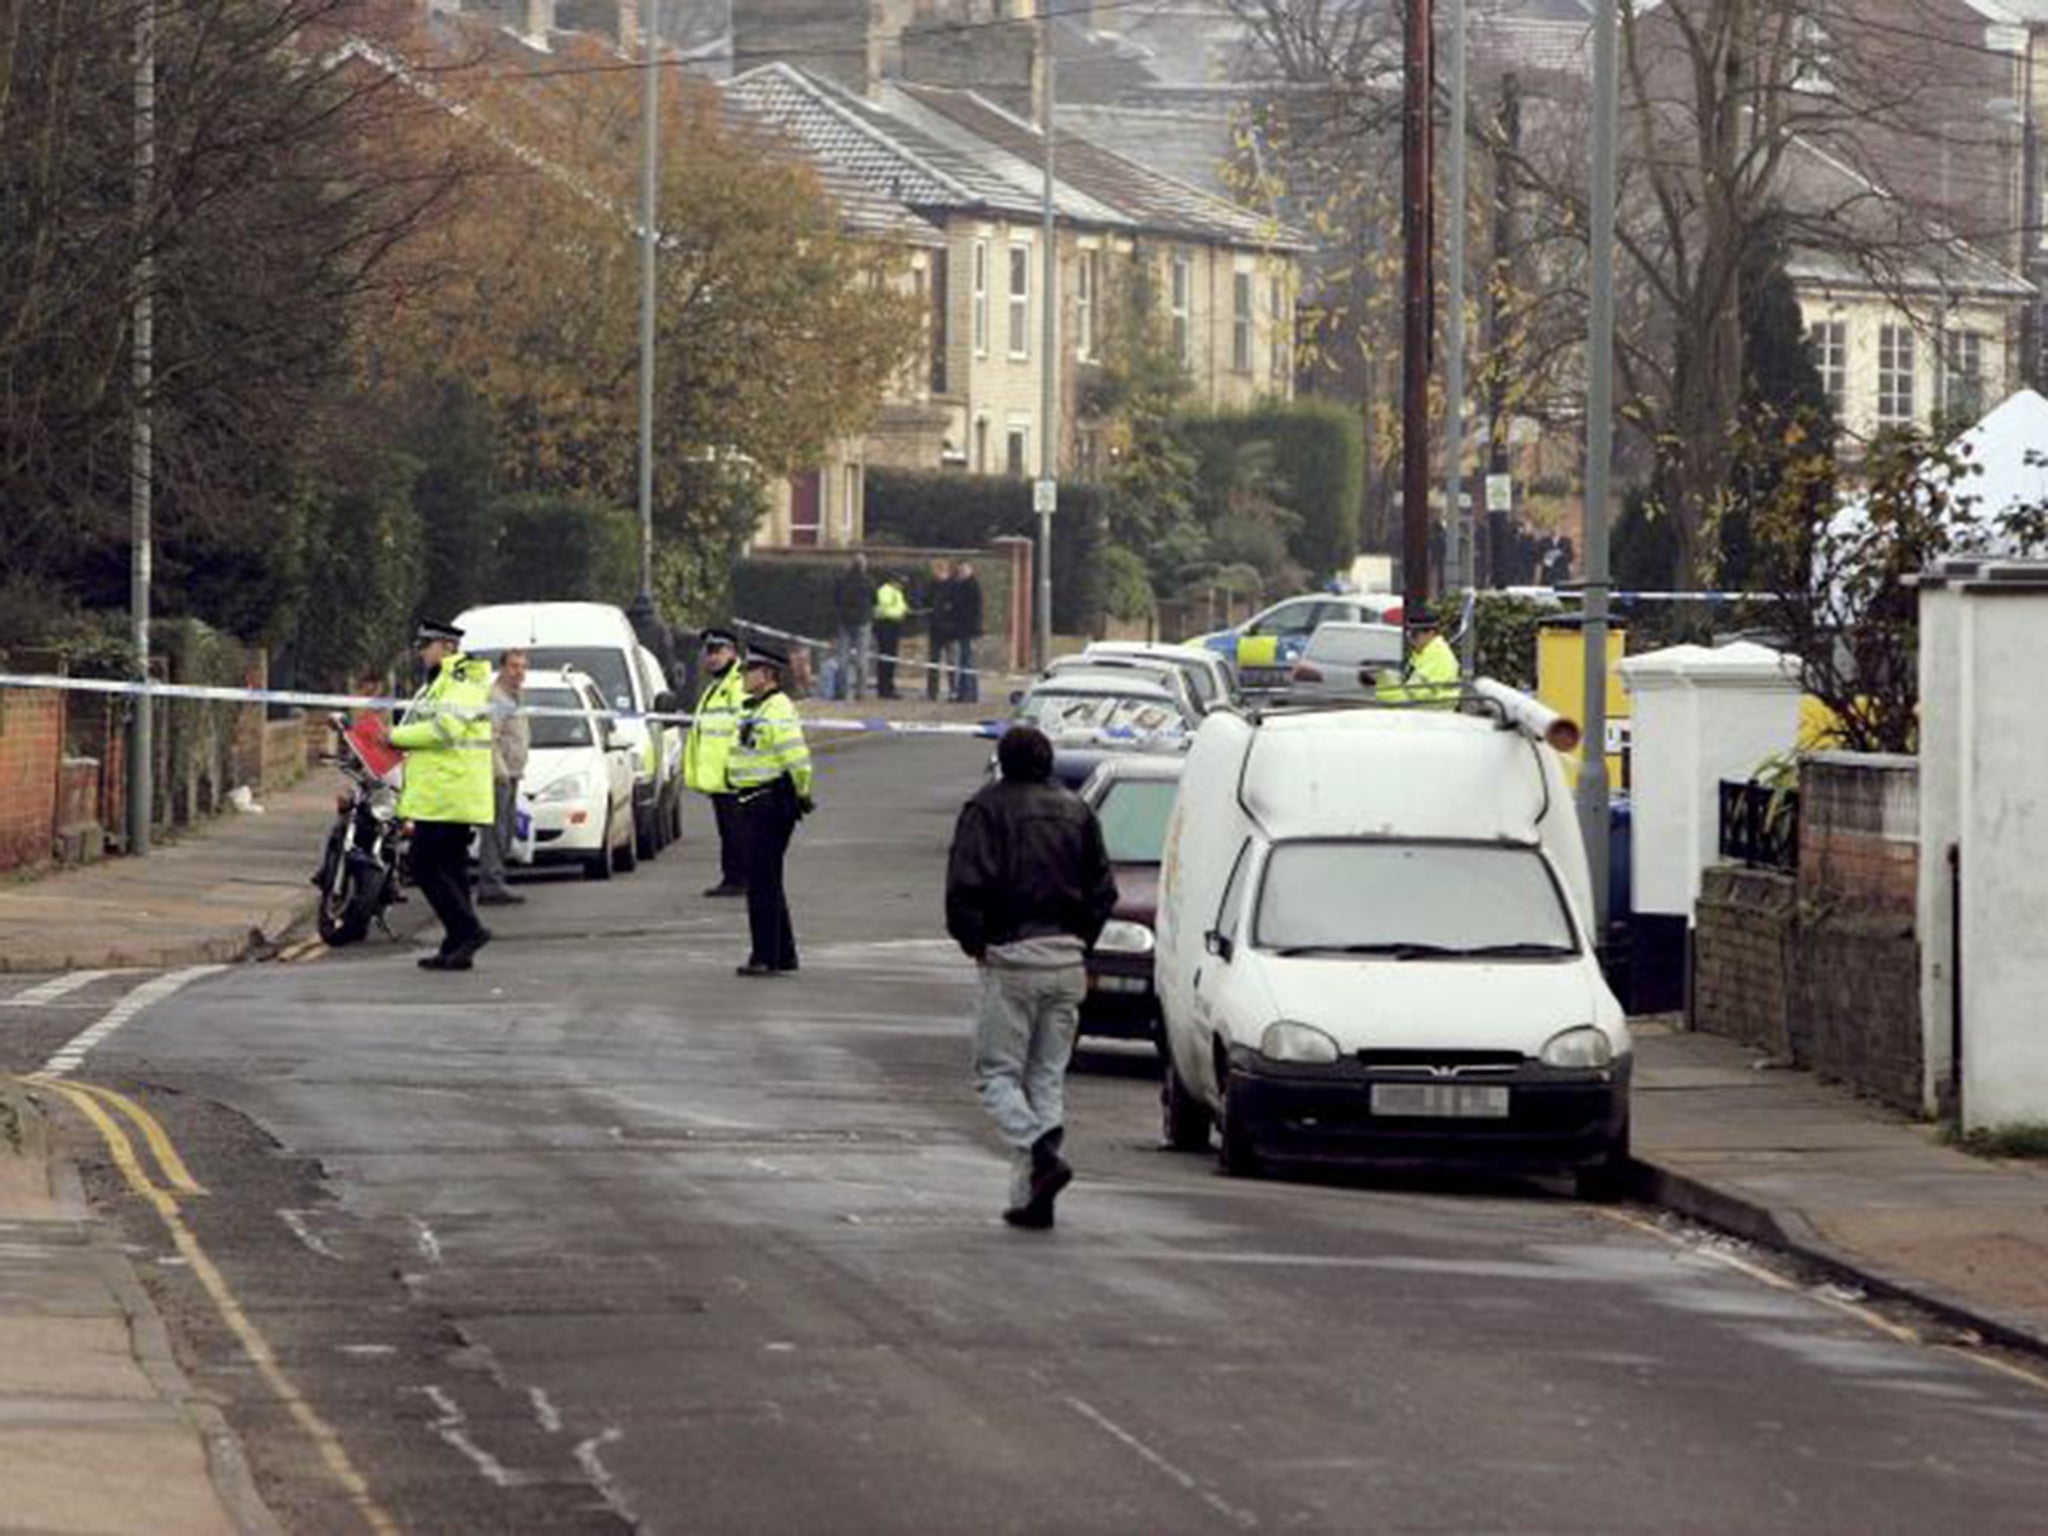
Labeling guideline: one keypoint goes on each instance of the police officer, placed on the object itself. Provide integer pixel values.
(769, 774)
(710, 745)
(446, 738)
(1431, 675)
(892, 607)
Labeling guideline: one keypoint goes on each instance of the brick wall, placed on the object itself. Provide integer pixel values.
(31, 748)
(1825, 971)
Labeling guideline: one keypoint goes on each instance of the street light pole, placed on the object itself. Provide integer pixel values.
(1593, 788)
(1457, 512)
(142, 445)
(650, 153)
(1046, 493)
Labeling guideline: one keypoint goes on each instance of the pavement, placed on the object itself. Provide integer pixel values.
(101, 1433)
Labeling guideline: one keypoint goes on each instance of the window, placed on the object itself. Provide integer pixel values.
(806, 506)
(1017, 449)
(981, 445)
(1963, 374)
(940, 335)
(1282, 324)
(1087, 273)
(1182, 294)
(1227, 910)
(981, 298)
(1134, 815)
(1460, 898)
(1241, 322)
(1020, 299)
(1894, 375)
(552, 731)
(1829, 340)
(849, 515)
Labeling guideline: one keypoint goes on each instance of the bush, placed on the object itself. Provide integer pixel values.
(789, 593)
(1127, 585)
(559, 548)
(1318, 449)
(942, 509)
(1504, 647)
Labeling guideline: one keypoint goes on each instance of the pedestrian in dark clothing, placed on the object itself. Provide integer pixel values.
(1028, 890)
(853, 595)
(938, 618)
(967, 628)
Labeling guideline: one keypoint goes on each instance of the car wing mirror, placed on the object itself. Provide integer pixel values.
(1221, 945)
(665, 703)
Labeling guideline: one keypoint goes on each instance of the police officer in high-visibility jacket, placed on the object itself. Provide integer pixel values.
(446, 738)
(709, 746)
(769, 773)
(1431, 675)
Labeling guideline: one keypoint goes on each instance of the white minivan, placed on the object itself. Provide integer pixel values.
(597, 640)
(1376, 944)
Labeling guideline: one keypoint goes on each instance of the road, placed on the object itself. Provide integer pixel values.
(600, 1237)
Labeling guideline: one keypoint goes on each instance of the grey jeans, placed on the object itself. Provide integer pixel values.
(1023, 1039)
(495, 843)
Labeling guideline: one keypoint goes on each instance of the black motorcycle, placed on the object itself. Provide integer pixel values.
(358, 875)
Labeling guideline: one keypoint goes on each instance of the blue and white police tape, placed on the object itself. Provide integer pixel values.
(338, 702)
(816, 642)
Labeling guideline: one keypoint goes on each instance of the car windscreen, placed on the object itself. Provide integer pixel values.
(1134, 813)
(1106, 716)
(1411, 900)
(556, 730)
(603, 665)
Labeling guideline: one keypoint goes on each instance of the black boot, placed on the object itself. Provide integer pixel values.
(1050, 1173)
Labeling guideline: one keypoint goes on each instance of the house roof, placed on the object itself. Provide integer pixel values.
(935, 149)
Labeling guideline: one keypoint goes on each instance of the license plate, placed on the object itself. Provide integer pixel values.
(1445, 1101)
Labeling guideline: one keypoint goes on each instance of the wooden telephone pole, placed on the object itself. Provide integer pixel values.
(1418, 217)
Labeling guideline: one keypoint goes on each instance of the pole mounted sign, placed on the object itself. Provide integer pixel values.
(1500, 493)
(1045, 496)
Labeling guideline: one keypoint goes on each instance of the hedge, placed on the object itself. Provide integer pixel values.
(1319, 448)
(794, 592)
(944, 509)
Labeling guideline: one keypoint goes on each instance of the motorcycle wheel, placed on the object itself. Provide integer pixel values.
(346, 910)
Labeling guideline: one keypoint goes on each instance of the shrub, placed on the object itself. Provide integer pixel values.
(1318, 450)
(561, 548)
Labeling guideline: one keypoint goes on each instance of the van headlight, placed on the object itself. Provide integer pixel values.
(570, 786)
(1124, 938)
(1584, 1046)
(1289, 1041)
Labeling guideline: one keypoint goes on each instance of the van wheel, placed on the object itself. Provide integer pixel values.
(598, 865)
(626, 857)
(1184, 1119)
(646, 838)
(1611, 1178)
(1235, 1153)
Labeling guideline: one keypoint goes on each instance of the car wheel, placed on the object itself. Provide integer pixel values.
(626, 856)
(1184, 1119)
(1612, 1177)
(646, 834)
(598, 865)
(1236, 1154)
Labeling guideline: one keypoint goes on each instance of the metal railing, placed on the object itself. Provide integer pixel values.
(1759, 824)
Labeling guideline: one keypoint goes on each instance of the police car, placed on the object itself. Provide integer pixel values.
(1265, 647)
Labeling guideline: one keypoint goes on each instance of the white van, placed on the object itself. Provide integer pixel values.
(597, 640)
(1375, 944)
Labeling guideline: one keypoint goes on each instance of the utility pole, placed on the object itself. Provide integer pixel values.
(142, 445)
(1458, 512)
(1417, 216)
(1045, 495)
(1510, 129)
(650, 156)
(1593, 806)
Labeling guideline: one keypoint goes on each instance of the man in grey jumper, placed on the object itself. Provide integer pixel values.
(511, 738)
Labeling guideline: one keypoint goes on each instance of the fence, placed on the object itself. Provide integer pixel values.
(1759, 824)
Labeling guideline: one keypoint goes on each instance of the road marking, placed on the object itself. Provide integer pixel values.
(71, 1055)
(450, 1427)
(56, 987)
(253, 1343)
(1242, 1518)
(296, 1222)
(168, 1162)
(545, 1411)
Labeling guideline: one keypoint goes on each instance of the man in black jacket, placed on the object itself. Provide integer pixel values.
(1028, 889)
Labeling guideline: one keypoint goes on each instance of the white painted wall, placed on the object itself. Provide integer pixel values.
(1985, 629)
(1701, 715)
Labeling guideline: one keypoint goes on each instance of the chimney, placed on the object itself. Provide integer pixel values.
(999, 62)
(629, 28)
(843, 40)
(540, 21)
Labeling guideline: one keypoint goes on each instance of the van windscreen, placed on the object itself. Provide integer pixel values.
(1411, 900)
(603, 666)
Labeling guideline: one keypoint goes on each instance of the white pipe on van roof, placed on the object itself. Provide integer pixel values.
(1528, 715)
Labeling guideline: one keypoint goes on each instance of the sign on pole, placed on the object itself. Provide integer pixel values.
(1045, 495)
(1500, 493)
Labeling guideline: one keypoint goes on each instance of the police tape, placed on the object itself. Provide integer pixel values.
(817, 642)
(338, 702)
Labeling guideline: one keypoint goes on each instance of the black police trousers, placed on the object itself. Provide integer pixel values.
(766, 820)
(440, 868)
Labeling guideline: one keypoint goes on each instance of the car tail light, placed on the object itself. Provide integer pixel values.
(1306, 673)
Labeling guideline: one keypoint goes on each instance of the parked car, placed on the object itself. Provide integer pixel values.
(1168, 676)
(1089, 717)
(1375, 944)
(1341, 661)
(1209, 676)
(576, 799)
(1132, 794)
(597, 640)
(672, 738)
(1265, 647)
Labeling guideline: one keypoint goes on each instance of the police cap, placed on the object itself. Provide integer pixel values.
(430, 630)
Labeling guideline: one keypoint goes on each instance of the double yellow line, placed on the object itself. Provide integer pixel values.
(173, 1182)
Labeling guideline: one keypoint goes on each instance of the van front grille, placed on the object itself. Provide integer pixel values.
(1440, 1062)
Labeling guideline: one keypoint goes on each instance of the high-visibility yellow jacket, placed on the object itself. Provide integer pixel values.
(712, 732)
(1431, 676)
(446, 738)
(769, 744)
(891, 606)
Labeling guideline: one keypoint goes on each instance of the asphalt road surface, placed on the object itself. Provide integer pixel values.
(600, 1237)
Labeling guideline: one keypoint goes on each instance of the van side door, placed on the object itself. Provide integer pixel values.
(1225, 931)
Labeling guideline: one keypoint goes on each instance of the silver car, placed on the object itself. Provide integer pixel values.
(1340, 663)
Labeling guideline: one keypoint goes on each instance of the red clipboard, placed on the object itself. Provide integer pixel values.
(370, 738)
